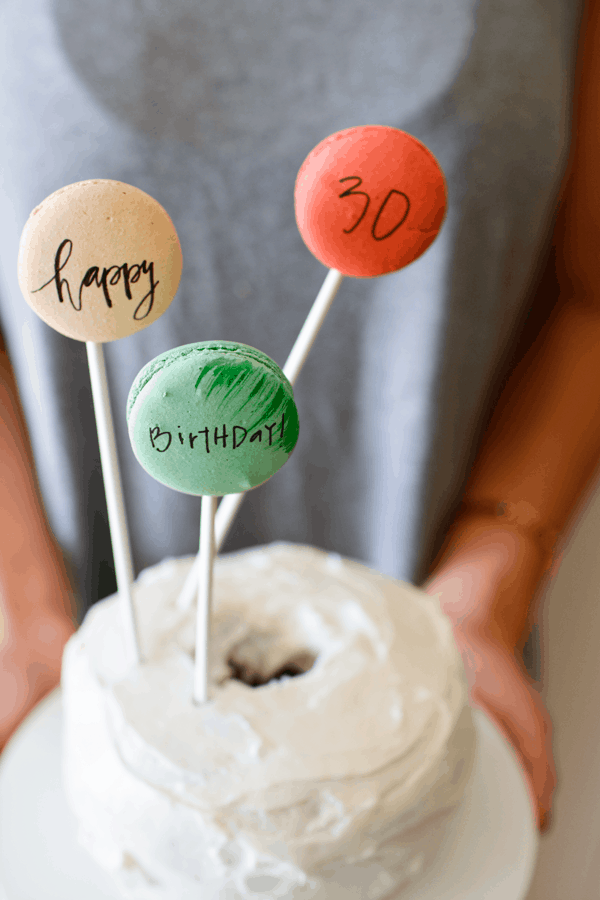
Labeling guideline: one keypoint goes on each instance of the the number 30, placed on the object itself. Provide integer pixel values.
(353, 192)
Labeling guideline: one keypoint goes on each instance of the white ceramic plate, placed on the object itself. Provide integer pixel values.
(489, 854)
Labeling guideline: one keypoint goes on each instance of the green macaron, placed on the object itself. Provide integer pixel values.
(215, 417)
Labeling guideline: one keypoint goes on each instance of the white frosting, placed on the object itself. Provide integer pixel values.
(342, 776)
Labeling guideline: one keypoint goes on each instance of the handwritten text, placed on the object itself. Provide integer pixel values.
(106, 279)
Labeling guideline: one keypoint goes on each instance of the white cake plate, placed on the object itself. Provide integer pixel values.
(489, 854)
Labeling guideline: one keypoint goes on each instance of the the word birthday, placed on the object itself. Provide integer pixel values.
(207, 438)
(105, 278)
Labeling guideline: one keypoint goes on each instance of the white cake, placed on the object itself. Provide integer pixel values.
(334, 783)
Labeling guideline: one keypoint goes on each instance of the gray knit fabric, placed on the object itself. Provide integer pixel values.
(210, 106)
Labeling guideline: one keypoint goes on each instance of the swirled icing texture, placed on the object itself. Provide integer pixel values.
(336, 782)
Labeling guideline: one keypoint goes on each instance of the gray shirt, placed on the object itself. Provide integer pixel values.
(211, 107)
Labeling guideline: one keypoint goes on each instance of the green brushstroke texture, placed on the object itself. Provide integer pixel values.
(209, 384)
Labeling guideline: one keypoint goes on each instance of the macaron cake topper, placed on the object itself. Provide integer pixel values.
(99, 260)
(212, 418)
(369, 200)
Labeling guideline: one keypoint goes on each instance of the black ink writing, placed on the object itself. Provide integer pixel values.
(108, 277)
(270, 430)
(352, 192)
(221, 437)
(237, 443)
(205, 433)
(382, 237)
(156, 434)
(161, 439)
(144, 307)
(59, 264)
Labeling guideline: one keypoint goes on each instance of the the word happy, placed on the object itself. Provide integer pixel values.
(106, 278)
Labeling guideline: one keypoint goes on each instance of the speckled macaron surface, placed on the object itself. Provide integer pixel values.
(99, 260)
(215, 417)
(369, 200)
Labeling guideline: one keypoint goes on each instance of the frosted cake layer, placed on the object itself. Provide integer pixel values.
(334, 782)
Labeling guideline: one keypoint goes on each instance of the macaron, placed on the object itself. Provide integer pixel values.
(215, 417)
(99, 260)
(369, 200)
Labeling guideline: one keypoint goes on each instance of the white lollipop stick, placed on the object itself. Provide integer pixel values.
(312, 325)
(117, 518)
(204, 584)
(79, 232)
(230, 504)
(212, 381)
(226, 513)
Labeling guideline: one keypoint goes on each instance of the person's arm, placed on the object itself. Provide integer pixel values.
(539, 452)
(36, 618)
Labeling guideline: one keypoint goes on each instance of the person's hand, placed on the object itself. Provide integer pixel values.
(30, 658)
(501, 687)
(498, 681)
(37, 613)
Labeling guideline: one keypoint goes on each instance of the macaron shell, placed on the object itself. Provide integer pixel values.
(212, 418)
(390, 179)
(111, 235)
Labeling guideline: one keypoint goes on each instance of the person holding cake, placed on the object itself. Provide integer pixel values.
(175, 103)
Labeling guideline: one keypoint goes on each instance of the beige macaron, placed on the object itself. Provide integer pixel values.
(99, 260)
